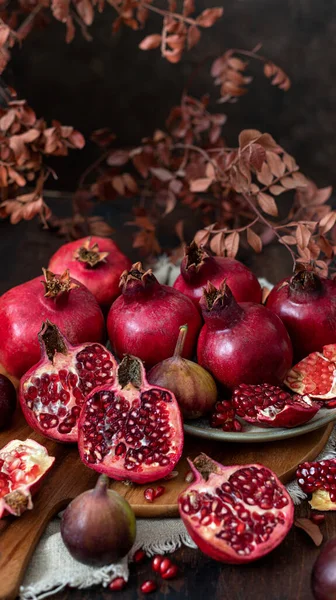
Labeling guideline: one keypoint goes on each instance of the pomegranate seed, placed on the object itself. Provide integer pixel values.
(149, 494)
(317, 518)
(330, 404)
(156, 562)
(165, 565)
(160, 490)
(117, 584)
(170, 573)
(189, 477)
(171, 475)
(148, 587)
(139, 556)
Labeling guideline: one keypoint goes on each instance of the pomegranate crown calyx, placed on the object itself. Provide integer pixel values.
(57, 284)
(135, 276)
(195, 256)
(90, 255)
(216, 297)
(131, 371)
(203, 466)
(305, 279)
(51, 340)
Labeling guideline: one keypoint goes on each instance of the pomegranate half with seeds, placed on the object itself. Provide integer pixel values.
(319, 479)
(22, 466)
(235, 514)
(131, 430)
(315, 375)
(53, 391)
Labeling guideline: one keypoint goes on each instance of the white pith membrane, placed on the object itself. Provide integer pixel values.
(55, 397)
(239, 512)
(22, 464)
(315, 375)
(136, 432)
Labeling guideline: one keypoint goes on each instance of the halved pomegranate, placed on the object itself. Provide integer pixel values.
(319, 479)
(269, 406)
(131, 430)
(53, 391)
(315, 375)
(22, 466)
(235, 514)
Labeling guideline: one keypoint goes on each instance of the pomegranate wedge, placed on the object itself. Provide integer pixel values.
(235, 514)
(131, 430)
(319, 479)
(315, 375)
(22, 466)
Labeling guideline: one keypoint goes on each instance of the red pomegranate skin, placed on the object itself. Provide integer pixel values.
(308, 312)
(145, 320)
(243, 343)
(24, 308)
(195, 275)
(103, 279)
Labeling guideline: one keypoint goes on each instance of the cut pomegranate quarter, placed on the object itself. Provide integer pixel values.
(235, 514)
(319, 479)
(131, 430)
(22, 466)
(53, 391)
(315, 375)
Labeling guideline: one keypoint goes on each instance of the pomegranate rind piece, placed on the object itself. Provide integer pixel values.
(53, 391)
(27, 462)
(315, 375)
(319, 479)
(266, 405)
(132, 430)
(235, 514)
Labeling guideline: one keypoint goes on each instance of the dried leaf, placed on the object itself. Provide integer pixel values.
(118, 184)
(60, 9)
(202, 237)
(322, 195)
(275, 164)
(161, 173)
(248, 136)
(85, 11)
(277, 189)
(288, 239)
(288, 183)
(264, 175)
(312, 529)
(150, 42)
(267, 204)
(217, 244)
(254, 240)
(209, 16)
(327, 222)
(4, 34)
(325, 246)
(257, 156)
(130, 183)
(303, 236)
(201, 184)
(232, 244)
(117, 158)
(193, 36)
(277, 75)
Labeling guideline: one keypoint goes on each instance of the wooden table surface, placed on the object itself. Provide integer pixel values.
(282, 575)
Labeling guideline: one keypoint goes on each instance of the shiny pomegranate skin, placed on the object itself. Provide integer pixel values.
(242, 343)
(198, 267)
(102, 279)
(23, 310)
(145, 319)
(306, 304)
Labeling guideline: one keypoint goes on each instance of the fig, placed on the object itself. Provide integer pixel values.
(324, 573)
(98, 527)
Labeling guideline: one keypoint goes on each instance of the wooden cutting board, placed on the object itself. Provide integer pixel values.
(69, 477)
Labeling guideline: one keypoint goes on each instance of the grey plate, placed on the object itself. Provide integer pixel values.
(250, 433)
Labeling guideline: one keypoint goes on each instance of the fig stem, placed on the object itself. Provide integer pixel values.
(181, 340)
(102, 484)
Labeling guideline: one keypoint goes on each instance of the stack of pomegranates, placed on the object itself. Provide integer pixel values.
(128, 424)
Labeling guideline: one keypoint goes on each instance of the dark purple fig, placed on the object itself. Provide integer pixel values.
(324, 573)
(7, 401)
(98, 527)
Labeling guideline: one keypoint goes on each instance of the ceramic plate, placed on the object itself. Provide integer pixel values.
(250, 433)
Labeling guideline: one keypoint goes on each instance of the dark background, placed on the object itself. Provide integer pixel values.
(109, 82)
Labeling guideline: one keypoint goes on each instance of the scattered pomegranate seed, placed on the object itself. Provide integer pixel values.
(148, 587)
(156, 562)
(330, 404)
(139, 556)
(165, 565)
(117, 584)
(149, 494)
(317, 518)
(224, 417)
(171, 572)
(160, 490)
(189, 477)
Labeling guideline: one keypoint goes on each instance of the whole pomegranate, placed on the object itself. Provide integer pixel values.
(235, 514)
(98, 527)
(96, 262)
(306, 304)
(145, 319)
(63, 300)
(323, 579)
(53, 391)
(199, 266)
(194, 388)
(131, 430)
(23, 464)
(7, 401)
(241, 343)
